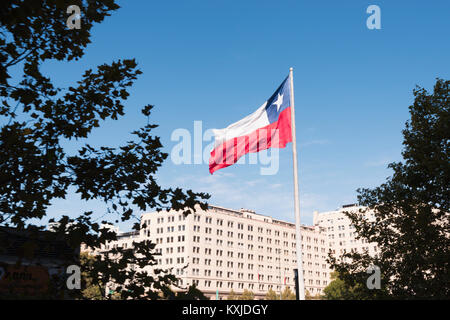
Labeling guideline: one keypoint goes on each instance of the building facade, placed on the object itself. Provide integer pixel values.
(221, 250)
(341, 233)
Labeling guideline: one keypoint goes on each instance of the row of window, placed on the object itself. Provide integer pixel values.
(179, 260)
(259, 276)
(160, 220)
(230, 224)
(251, 286)
(170, 239)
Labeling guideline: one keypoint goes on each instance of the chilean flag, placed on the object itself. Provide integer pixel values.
(268, 127)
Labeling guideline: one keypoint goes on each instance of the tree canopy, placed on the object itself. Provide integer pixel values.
(38, 117)
(247, 295)
(272, 295)
(232, 295)
(411, 210)
(288, 294)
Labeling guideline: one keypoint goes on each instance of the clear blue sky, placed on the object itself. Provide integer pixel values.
(217, 61)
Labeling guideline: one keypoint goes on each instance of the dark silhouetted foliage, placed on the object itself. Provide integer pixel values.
(411, 211)
(37, 118)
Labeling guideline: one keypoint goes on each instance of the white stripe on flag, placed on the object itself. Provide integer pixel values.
(245, 126)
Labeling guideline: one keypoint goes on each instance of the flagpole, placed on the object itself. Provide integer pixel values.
(298, 236)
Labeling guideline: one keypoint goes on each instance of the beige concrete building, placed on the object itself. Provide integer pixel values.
(340, 232)
(223, 249)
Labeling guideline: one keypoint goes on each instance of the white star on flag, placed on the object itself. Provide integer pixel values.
(279, 101)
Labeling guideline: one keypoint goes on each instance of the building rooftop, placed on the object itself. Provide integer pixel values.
(250, 214)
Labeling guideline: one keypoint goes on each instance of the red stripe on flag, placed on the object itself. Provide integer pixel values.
(274, 135)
